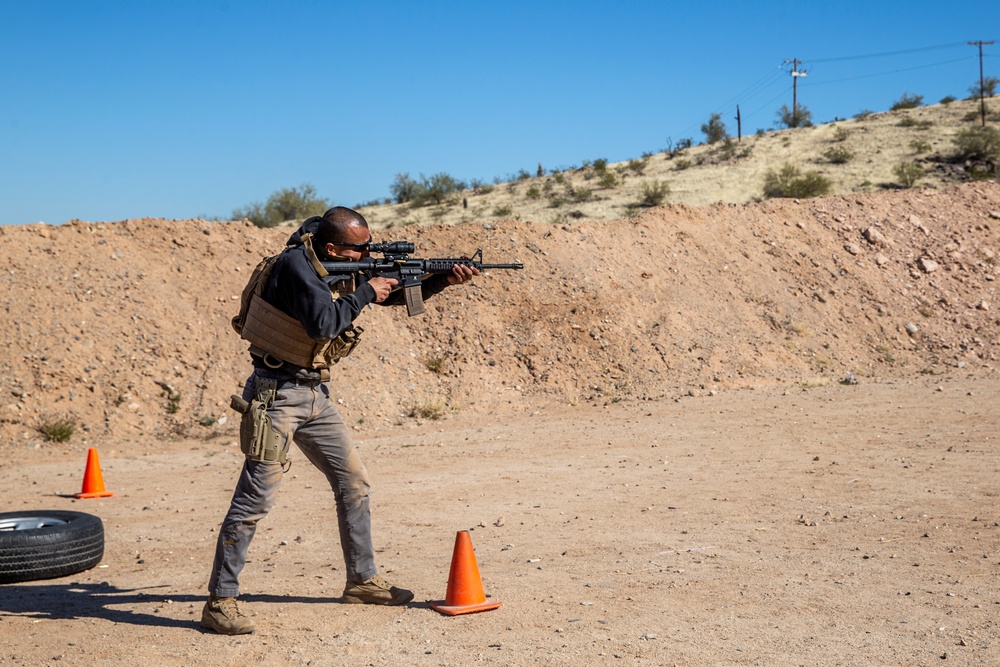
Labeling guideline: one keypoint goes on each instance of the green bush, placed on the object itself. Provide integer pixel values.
(838, 155)
(432, 410)
(436, 364)
(441, 185)
(907, 101)
(654, 193)
(910, 121)
(285, 204)
(978, 143)
(908, 173)
(988, 88)
(639, 166)
(799, 117)
(480, 187)
(920, 146)
(57, 429)
(714, 130)
(607, 180)
(789, 182)
(727, 151)
(404, 189)
(948, 99)
(841, 134)
(424, 191)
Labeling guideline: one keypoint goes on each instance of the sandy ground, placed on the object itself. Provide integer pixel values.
(837, 525)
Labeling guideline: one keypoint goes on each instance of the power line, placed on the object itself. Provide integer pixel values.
(768, 79)
(755, 87)
(749, 93)
(887, 53)
(895, 71)
(770, 101)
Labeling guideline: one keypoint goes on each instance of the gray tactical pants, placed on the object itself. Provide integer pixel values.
(306, 414)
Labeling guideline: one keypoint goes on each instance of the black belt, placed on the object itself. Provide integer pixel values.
(291, 380)
(300, 382)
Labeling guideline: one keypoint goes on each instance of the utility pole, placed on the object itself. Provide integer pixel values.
(982, 102)
(795, 89)
(739, 126)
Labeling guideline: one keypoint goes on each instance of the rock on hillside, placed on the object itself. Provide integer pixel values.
(124, 327)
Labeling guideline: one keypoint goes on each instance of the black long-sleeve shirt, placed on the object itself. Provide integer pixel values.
(297, 290)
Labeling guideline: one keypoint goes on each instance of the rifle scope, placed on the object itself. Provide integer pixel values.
(392, 248)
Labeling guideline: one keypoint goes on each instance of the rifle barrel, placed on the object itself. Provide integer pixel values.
(501, 266)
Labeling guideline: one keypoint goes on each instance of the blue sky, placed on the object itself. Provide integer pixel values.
(116, 110)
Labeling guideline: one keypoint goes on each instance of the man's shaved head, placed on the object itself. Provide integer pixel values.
(335, 223)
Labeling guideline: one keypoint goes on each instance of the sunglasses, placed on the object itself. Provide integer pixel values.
(360, 247)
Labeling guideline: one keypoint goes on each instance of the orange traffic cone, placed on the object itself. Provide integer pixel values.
(93, 480)
(465, 586)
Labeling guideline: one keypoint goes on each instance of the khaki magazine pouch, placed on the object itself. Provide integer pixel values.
(343, 345)
(259, 441)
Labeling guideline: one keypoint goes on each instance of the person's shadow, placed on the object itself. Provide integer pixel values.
(63, 601)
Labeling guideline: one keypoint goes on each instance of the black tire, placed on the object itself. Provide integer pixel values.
(43, 544)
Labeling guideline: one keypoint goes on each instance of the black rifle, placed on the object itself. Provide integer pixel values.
(409, 273)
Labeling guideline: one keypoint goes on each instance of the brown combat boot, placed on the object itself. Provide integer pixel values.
(375, 591)
(223, 616)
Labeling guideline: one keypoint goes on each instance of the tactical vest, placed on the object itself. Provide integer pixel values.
(277, 337)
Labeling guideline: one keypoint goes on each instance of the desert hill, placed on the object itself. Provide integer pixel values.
(857, 155)
(124, 327)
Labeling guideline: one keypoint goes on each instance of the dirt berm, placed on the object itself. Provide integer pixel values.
(125, 326)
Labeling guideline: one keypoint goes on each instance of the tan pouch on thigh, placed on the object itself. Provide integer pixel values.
(259, 440)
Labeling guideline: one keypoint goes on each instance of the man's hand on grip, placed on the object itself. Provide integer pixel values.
(382, 287)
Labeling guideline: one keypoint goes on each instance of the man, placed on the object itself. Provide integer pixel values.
(297, 329)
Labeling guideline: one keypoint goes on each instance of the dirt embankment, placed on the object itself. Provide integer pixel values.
(125, 326)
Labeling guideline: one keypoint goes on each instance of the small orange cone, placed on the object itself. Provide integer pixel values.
(93, 480)
(465, 586)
